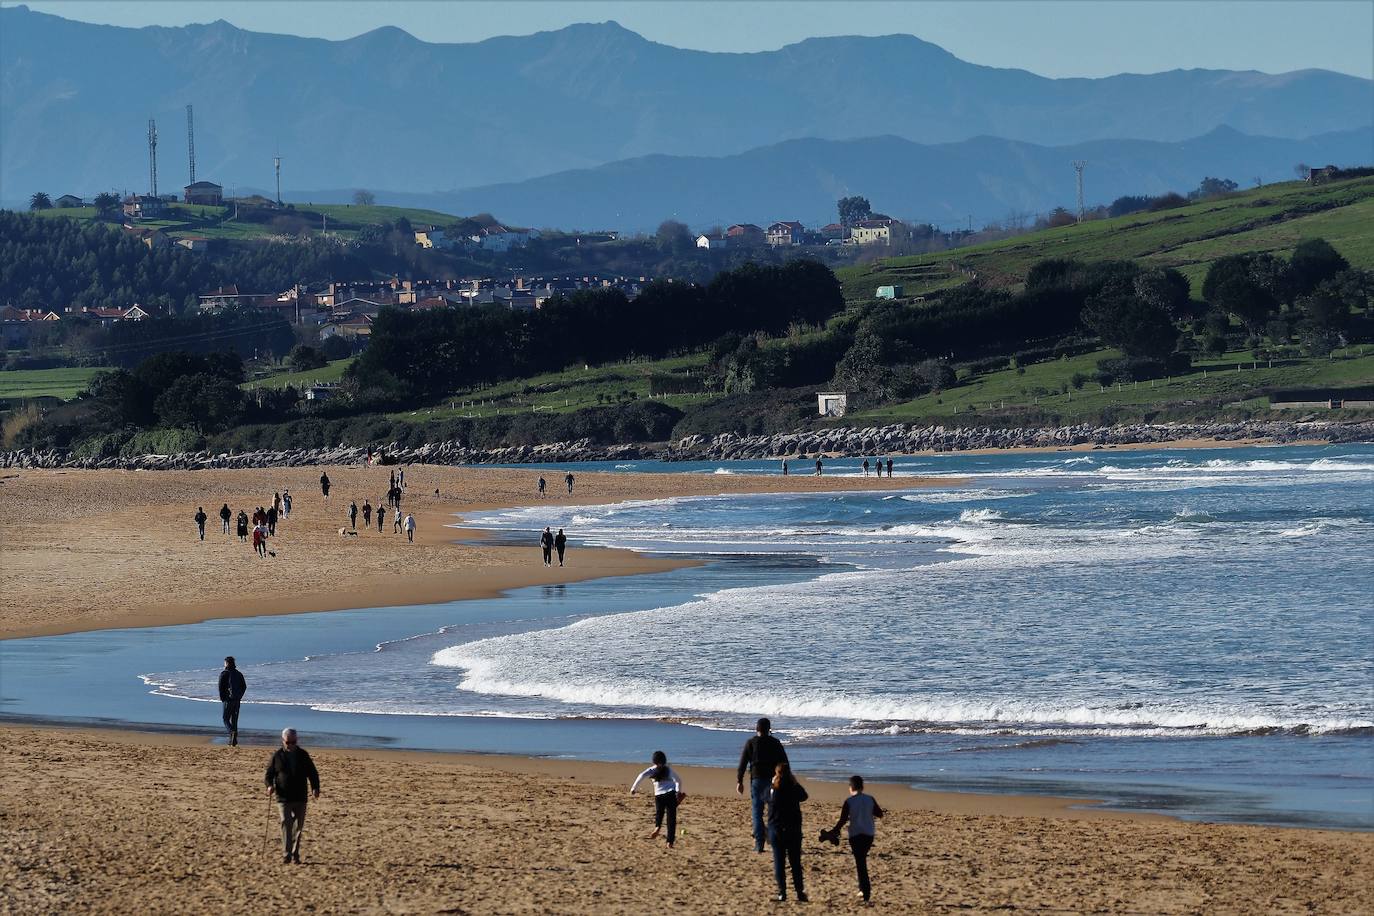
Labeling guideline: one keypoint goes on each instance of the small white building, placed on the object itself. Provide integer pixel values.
(712, 242)
(432, 238)
(831, 403)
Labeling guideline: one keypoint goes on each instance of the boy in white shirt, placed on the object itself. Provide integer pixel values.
(667, 793)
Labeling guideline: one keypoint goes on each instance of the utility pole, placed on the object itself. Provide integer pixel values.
(152, 158)
(1078, 166)
(191, 143)
(276, 161)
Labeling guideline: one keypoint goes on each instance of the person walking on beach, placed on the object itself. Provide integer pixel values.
(560, 544)
(367, 514)
(324, 484)
(401, 478)
(260, 541)
(396, 521)
(287, 777)
(569, 481)
(224, 516)
(353, 515)
(784, 467)
(546, 545)
(381, 517)
(276, 502)
(865, 467)
(200, 521)
(409, 526)
(286, 502)
(859, 811)
(542, 485)
(271, 514)
(667, 794)
(889, 469)
(243, 525)
(818, 465)
(232, 687)
(761, 756)
(785, 830)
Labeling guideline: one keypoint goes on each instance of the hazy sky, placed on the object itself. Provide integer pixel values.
(1061, 38)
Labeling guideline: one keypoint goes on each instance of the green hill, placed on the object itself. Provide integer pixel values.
(1273, 219)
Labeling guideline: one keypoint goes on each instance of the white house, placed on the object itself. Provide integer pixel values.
(712, 242)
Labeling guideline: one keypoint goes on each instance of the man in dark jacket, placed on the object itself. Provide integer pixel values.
(200, 521)
(224, 516)
(288, 775)
(232, 687)
(761, 756)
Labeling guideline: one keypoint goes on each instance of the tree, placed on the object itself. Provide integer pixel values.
(1213, 187)
(1132, 325)
(854, 210)
(364, 198)
(40, 201)
(1165, 289)
(304, 358)
(1060, 217)
(1314, 261)
(206, 403)
(673, 237)
(106, 203)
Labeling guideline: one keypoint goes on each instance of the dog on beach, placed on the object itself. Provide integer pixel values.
(345, 533)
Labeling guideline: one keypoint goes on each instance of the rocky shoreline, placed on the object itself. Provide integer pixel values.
(836, 442)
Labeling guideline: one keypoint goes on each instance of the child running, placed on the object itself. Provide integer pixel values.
(667, 793)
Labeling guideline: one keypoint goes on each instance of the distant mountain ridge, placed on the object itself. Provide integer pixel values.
(387, 110)
(985, 179)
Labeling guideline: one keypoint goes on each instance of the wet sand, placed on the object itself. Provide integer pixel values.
(98, 822)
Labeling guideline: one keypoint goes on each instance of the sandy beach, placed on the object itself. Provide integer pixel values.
(88, 550)
(117, 823)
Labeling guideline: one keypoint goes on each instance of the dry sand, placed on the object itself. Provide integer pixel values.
(105, 823)
(86, 550)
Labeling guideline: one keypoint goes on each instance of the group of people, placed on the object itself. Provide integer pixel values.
(261, 525)
(876, 466)
(399, 523)
(550, 542)
(568, 481)
(775, 797)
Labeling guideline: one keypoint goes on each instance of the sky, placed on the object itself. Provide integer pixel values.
(1055, 38)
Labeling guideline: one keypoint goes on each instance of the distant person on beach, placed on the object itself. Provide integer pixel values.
(546, 545)
(353, 515)
(232, 687)
(271, 514)
(784, 467)
(818, 466)
(859, 811)
(392, 485)
(260, 540)
(761, 756)
(381, 517)
(276, 502)
(560, 544)
(287, 777)
(200, 521)
(409, 526)
(785, 830)
(324, 484)
(543, 484)
(667, 794)
(401, 478)
(243, 525)
(569, 481)
(889, 469)
(367, 513)
(224, 516)
(865, 467)
(286, 502)
(396, 522)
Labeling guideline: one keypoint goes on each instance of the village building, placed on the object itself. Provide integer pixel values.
(144, 206)
(786, 234)
(872, 232)
(68, 201)
(713, 242)
(205, 193)
(19, 323)
(745, 235)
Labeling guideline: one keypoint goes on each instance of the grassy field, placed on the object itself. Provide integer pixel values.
(331, 372)
(1227, 380)
(1273, 218)
(18, 384)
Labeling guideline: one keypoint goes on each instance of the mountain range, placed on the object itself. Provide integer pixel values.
(387, 110)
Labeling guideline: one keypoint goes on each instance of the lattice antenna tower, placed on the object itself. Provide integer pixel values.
(276, 161)
(152, 158)
(1078, 166)
(191, 143)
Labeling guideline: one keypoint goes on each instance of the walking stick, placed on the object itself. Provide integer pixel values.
(266, 837)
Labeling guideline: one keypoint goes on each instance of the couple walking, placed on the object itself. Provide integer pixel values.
(776, 797)
(549, 542)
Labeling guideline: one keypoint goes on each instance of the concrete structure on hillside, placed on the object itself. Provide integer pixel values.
(831, 403)
(713, 242)
(205, 193)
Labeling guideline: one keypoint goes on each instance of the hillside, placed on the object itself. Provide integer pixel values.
(1272, 219)
(983, 179)
(513, 108)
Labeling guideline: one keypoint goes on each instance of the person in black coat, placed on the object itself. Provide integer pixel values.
(288, 774)
(232, 687)
(761, 756)
(785, 830)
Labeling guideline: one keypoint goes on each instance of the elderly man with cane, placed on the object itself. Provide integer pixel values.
(287, 776)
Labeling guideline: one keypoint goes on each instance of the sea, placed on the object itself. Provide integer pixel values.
(1182, 631)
